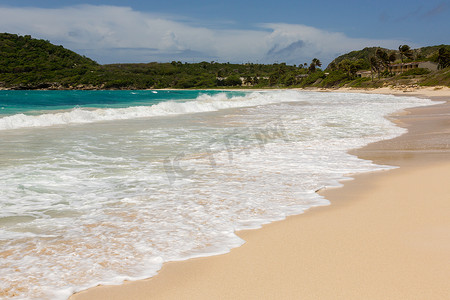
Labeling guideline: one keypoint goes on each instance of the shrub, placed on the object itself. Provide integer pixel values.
(359, 82)
(312, 78)
(335, 78)
(414, 72)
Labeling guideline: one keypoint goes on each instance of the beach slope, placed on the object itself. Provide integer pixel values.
(386, 235)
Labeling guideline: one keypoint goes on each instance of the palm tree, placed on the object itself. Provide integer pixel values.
(314, 63)
(317, 62)
(392, 57)
(374, 66)
(383, 58)
(406, 51)
(443, 58)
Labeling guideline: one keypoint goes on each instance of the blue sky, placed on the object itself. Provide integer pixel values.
(235, 31)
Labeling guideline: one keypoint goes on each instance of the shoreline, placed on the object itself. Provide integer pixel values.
(305, 255)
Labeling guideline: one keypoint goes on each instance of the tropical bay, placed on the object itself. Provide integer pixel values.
(175, 150)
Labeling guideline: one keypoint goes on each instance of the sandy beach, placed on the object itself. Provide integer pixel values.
(386, 235)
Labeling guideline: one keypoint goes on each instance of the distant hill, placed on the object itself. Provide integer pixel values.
(421, 54)
(363, 54)
(29, 62)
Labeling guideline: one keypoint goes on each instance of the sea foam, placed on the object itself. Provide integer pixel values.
(203, 103)
(110, 201)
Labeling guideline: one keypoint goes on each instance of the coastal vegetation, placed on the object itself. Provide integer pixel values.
(25, 61)
(28, 63)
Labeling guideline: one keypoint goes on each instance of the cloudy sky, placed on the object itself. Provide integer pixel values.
(290, 31)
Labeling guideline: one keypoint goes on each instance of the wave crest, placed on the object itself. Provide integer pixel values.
(203, 103)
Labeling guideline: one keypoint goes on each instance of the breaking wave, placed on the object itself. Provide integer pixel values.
(203, 103)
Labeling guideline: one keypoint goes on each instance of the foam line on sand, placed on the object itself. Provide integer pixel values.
(386, 235)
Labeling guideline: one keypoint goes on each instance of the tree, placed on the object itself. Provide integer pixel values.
(314, 63)
(332, 66)
(383, 57)
(248, 80)
(406, 51)
(289, 79)
(349, 67)
(233, 80)
(392, 57)
(317, 62)
(374, 66)
(443, 58)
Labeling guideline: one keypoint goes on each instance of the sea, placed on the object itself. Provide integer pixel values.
(98, 187)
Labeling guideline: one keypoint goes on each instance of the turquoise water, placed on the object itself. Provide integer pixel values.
(29, 102)
(98, 187)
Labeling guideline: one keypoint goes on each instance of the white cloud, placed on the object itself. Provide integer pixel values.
(119, 34)
(295, 41)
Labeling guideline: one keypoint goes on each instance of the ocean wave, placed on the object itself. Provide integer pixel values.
(105, 206)
(203, 103)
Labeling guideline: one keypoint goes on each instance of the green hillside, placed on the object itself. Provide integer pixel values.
(25, 61)
(191, 75)
(363, 55)
(343, 70)
(429, 53)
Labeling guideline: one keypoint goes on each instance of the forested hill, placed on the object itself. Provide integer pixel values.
(25, 60)
(27, 63)
(429, 53)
